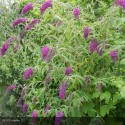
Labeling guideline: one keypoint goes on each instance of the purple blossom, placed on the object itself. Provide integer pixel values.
(34, 116)
(62, 90)
(28, 73)
(32, 24)
(4, 48)
(68, 70)
(46, 109)
(99, 50)
(25, 107)
(10, 88)
(86, 32)
(26, 8)
(45, 51)
(120, 3)
(16, 48)
(59, 116)
(99, 87)
(45, 5)
(93, 45)
(19, 102)
(114, 55)
(18, 21)
(76, 12)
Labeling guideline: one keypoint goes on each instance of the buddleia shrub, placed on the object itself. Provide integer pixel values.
(68, 63)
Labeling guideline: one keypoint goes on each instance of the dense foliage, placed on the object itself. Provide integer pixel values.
(50, 55)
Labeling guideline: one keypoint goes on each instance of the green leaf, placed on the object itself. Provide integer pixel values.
(105, 96)
(122, 92)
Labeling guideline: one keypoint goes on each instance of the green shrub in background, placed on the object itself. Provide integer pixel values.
(104, 95)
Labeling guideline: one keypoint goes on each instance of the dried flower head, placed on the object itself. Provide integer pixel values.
(114, 55)
(93, 45)
(10, 88)
(16, 48)
(99, 50)
(86, 32)
(99, 87)
(87, 81)
(50, 55)
(46, 109)
(19, 102)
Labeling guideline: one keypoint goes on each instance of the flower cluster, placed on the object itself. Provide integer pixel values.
(26, 8)
(68, 71)
(25, 107)
(120, 3)
(34, 117)
(32, 24)
(86, 32)
(114, 55)
(28, 73)
(62, 90)
(18, 21)
(45, 5)
(59, 116)
(4, 48)
(76, 13)
(45, 51)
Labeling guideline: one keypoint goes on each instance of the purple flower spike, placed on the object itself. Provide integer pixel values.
(76, 13)
(68, 70)
(59, 116)
(26, 8)
(120, 3)
(32, 24)
(62, 90)
(34, 117)
(45, 51)
(45, 5)
(93, 45)
(4, 48)
(86, 32)
(28, 73)
(18, 21)
(25, 107)
(114, 55)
